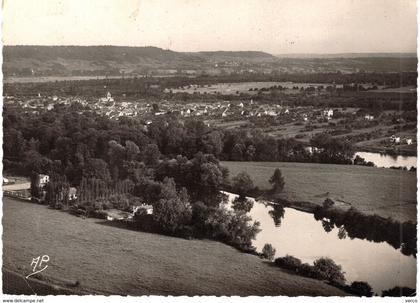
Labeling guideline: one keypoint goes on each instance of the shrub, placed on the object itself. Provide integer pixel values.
(329, 270)
(277, 181)
(268, 252)
(231, 227)
(242, 184)
(288, 262)
(308, 271)
(328, 203)
(398, 291)
(360, 288)
(173, 210)
(242, 204)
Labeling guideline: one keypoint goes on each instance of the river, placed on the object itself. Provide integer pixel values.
(301, 236)
(383, 160)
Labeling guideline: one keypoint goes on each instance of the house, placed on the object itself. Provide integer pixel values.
(72, 193)
(43, 179)
(328, 113)
(409, 141)
(108, 98)
(143, 209)
(395, 139)
(224, 114)
(312, 149)
(270, 113)
(369, 117)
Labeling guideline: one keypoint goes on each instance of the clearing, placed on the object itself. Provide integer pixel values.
(382, 191)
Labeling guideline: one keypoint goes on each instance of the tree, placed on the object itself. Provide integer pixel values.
(151, 155)
(57, 191)
(211, 179)
(97, 168)
(398, 291)
(173, 210)
(242, 184)
(212, 143)
(232, 227)
(36, 191)
(329, 270)
(250, 153)
(242, 204)
(237, 152)
(116, 154)
(268, 251)
(361, 288)
(277, 181)
(132, 150)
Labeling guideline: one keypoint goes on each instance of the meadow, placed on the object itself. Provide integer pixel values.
(111, 260)
(381, 191)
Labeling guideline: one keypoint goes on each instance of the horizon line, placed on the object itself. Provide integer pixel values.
(219, 50)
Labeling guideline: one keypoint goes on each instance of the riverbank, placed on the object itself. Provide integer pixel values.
(407, 151)
(138, 263)
(381, 191)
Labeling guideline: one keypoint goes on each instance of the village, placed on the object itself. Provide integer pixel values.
(386, 131)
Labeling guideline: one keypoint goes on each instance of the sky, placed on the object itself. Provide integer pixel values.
(274, 26)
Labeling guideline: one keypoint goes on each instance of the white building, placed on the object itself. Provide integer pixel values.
(72, 193)
(395, 139)
(145, 208)
(328, 113)
(369, 117)
(43, 179)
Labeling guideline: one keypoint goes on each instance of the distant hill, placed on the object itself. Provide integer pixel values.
(241, 56)
(349, 55)
(100, 60)
(64, 61)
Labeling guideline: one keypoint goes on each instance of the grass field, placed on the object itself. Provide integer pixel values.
(386, 192)
(114, 260)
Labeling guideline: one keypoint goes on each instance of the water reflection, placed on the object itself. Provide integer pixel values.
(298, 234)
(372, 228)
(277, 213)
(381, 160)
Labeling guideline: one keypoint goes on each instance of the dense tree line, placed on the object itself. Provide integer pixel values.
(91, 146)
(154, 86)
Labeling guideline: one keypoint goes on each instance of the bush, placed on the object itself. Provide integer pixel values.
(308, 271)
(398, 291)
(242, 204)
(268, 252)
(328, 203)
(329, 270)
(233, 228)
(242, 184)
(173, 210)
(288, 262)
(277, 181)
(360, 288)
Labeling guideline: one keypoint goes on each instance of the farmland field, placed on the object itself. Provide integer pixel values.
(241, 87)
(386, 192)
(112, 260)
